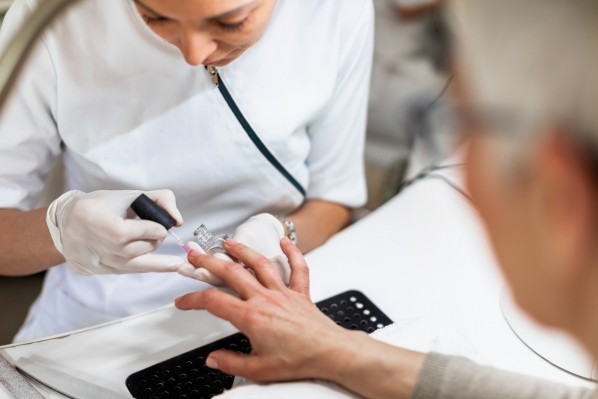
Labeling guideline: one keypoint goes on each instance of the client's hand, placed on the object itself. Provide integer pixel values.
(261, 233)
(290, 337)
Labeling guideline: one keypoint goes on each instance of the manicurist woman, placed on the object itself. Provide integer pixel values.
(218, 110)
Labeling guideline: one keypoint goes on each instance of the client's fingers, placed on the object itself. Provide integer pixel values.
(299, 281)
(232, 274)
(264, 271)
(195, 247)
(199, 274)
(217, 302)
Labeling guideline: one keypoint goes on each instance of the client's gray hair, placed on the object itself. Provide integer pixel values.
(538, 58)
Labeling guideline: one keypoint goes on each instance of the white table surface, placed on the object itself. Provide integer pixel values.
(422, 256)
(428, 257)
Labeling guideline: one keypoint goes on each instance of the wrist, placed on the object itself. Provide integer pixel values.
(337, 362)
(53, 217)
(376, 369)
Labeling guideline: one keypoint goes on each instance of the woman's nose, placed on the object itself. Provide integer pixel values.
(196, 47)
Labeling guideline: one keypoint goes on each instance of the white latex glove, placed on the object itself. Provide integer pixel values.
(261, 233)
(97, 233)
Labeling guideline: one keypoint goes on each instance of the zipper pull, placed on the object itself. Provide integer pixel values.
(213, 71)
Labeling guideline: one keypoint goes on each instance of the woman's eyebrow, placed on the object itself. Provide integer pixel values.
(224, 15)
(235, 11)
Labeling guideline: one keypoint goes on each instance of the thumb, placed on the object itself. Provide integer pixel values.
(233, 363)
(167, 200)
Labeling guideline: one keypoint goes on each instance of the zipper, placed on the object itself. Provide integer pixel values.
(257, 141)
(213, 71)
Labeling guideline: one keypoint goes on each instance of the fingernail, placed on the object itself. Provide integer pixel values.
(211, 362)
(195, 257)
(230, 242)
(285, 239)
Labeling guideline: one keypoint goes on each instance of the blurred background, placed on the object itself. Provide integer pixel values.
(408, 123)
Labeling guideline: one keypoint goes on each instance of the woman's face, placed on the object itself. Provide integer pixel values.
(208, 32)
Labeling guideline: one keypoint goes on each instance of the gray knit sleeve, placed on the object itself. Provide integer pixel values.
(451, 377)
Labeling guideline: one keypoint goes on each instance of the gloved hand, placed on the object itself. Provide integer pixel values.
(261, 233)
(97, 233)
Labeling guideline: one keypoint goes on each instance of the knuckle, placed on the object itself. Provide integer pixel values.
(157, 231)
(153, 244)
(302, 267)
(232, 268)
(263, 263)
(251, 318)
(118, 232)
(305, 271)
(166, 194)
(209, 297)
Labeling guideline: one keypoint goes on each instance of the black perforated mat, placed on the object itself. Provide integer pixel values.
(186, 376)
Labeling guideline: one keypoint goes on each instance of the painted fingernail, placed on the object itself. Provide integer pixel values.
(211, 362)
(285, 239)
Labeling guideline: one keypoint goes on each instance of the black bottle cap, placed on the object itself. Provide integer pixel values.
(147, 209)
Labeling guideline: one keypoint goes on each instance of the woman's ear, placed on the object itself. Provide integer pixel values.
(565, 196)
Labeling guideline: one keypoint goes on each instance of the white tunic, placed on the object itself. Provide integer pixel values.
(127, 112)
